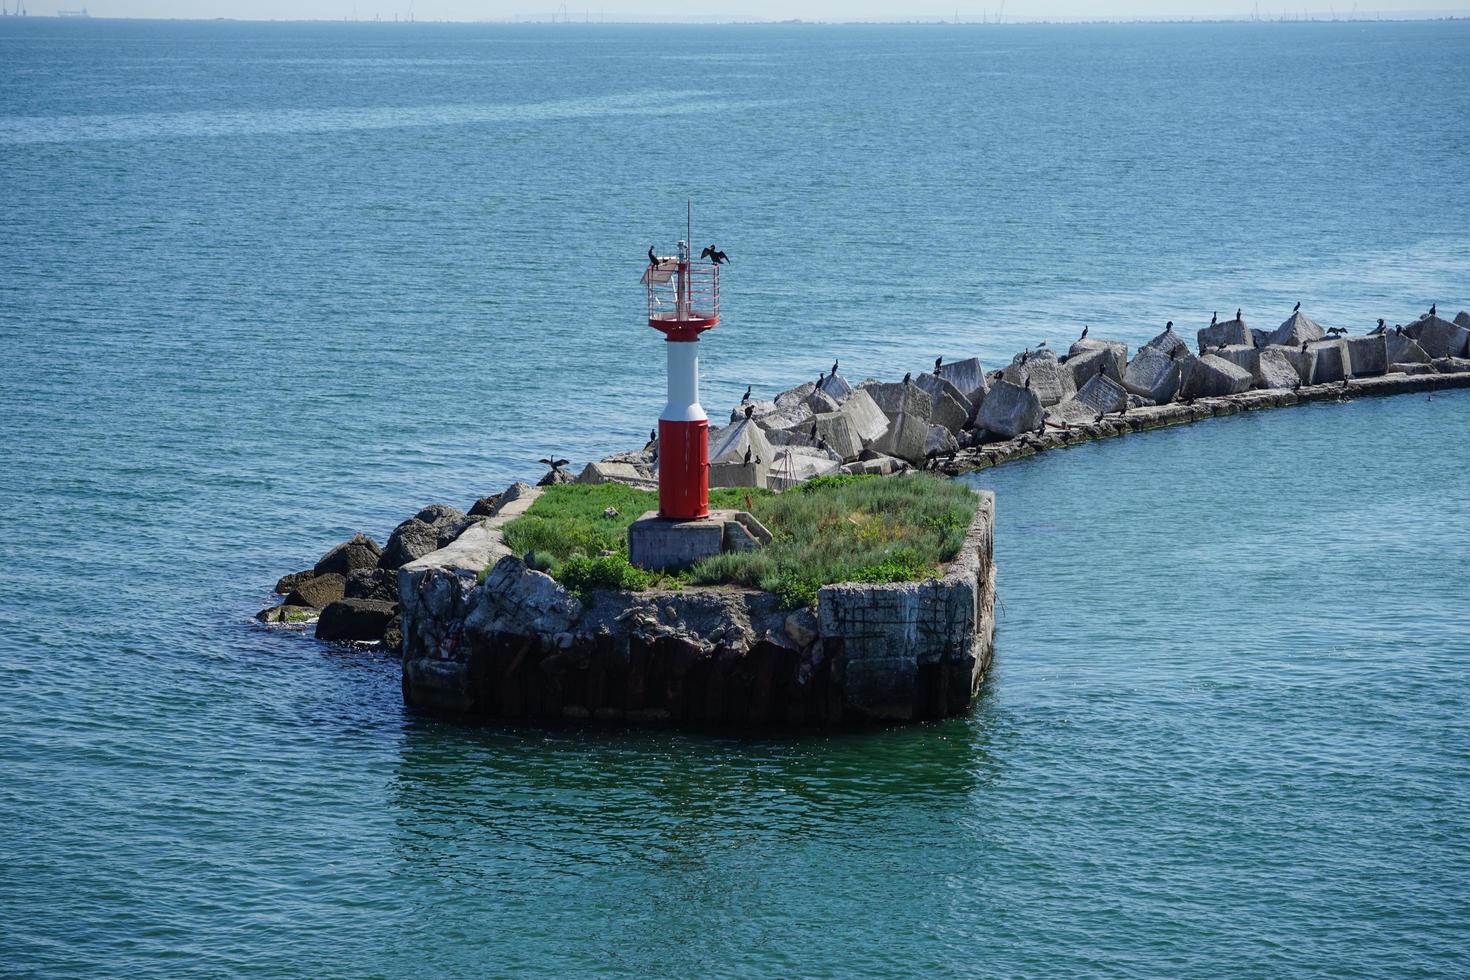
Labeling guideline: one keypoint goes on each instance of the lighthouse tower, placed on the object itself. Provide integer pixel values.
(683, 302)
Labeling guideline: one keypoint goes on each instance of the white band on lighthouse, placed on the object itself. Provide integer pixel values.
(683, 404)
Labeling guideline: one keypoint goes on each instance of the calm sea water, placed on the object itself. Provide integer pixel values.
(267, 285)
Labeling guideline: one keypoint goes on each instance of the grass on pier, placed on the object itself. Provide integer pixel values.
(834, 529)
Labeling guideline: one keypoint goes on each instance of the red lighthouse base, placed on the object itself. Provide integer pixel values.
(683, 469)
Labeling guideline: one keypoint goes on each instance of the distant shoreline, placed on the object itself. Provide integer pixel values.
(529, 21)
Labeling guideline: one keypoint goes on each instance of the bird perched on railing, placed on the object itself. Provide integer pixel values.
(714, 255)
(652, 259)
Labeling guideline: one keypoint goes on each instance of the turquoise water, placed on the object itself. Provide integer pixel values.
(266, 285)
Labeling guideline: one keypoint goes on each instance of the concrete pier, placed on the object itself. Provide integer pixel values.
(519, 647)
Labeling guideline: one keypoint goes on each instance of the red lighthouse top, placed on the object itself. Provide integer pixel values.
(683, 295)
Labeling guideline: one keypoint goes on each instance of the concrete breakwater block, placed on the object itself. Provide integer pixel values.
(834, 432)
(1010, 409)
(1403, 349)
(1275, 369)
(967, 376)
(835, 386)
(1328, 362)
(1051, 382)
(864, 416)
(1296, 330)
(728, 449)
(1228, 332)
(1166, 343)
(907, 437)
(1212, 376)
(947, 407)
(792, 397)
(897, 398)
(1438, 336)
(1099, 360)
(1102, 394)
(1238, 354)
(1367, 355)
(1087, 344)
(1153, 373)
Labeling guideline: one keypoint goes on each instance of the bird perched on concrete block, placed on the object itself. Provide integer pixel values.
(834, 367)
(1378, 329)
(937, 362)
(908, 376)
(1433, 307)
(749, 411)
(1084, 332)
(746, 397)
(1237, 313)
(1298, 307)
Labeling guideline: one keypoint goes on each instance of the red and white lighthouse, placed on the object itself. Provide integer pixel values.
(683, 302)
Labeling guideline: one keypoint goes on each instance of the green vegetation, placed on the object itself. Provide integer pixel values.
(835, 529)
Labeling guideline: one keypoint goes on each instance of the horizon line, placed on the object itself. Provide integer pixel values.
(533, 20)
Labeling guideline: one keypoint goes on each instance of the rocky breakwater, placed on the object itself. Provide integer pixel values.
(959, 417)
(517, 646)
(351, 593)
